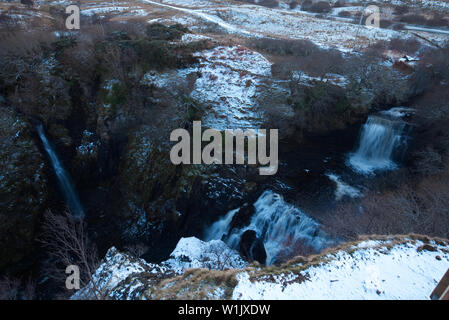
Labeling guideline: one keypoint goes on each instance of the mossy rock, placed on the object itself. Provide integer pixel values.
(149, 180)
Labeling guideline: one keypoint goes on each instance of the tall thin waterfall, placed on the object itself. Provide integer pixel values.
(379, 140)
(279, 224)
(67, 189)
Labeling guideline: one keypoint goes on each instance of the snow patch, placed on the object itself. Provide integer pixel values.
(343, 189)
(194, 253)
(373, 271)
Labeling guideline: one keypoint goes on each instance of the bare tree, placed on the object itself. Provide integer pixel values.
(67, 243)
(221, 259)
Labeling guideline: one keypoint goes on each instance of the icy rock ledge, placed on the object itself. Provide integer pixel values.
(194, 253)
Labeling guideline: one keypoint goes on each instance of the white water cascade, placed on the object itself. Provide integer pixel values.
(66, 186)
(278, 223)
(379, 139)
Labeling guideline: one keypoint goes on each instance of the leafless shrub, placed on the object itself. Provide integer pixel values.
(429, 162)
(137, 250)
(437, 60)
(408, 46)
(285, 47)
(269, 3)
(340, 3)
(400, 10)
(398, 26)
(305, 5)
(293, 4)
(414, 19)
(265, 3)
(27, 2)
(317, 7)
(222, 259)
(438, 20)
(345, 14)
(67, 243)
(385, 23)
(421, 209)
(317, 64)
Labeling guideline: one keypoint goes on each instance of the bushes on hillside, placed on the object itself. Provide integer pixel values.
(437, 20)
(317, 7)
(269, 3)
(421, 208)
(157, 31)
(293, 4)
(285, 47)
(265, 3)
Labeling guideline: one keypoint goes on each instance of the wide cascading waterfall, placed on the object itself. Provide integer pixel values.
(67, 189)
(279, 224)
(380, 138)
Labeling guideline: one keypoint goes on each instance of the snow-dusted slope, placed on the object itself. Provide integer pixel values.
(120, 276)
(400, 267)
(382, 269)
(227, 88)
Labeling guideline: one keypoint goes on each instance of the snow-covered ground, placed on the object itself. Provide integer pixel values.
(244, 20)
(369, 270)
(228, 86)
(401, 267)
(206, 17)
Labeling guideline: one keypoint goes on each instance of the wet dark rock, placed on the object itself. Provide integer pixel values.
(252, 248)
(242, 217)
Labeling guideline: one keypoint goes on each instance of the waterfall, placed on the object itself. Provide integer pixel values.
(220, 228)
(279, 224)
(68, 191)
(380, 138)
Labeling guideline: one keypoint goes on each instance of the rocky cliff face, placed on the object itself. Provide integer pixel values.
(401, 267)
(22, 188)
